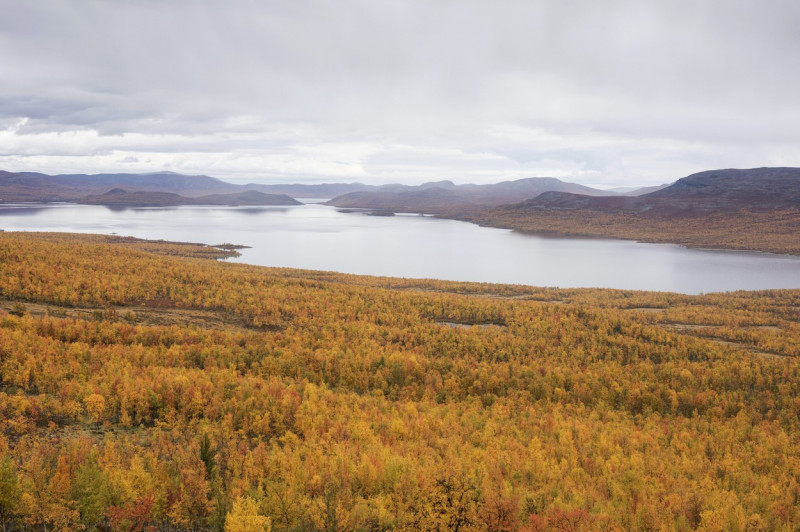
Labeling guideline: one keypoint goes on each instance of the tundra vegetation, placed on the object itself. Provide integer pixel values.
(145, 388)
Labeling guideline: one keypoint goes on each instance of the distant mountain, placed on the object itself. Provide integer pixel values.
(715, 191)
(756, 209)
(446, 198)
(36, 187)
(756, 189)
(321, 191)
(31, 186)
(759, 189)
(118, 197)
(638, 191)
(189, 185)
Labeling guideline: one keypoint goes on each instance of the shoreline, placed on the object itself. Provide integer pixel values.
(226, 254)
(467, 218)
(640, 239)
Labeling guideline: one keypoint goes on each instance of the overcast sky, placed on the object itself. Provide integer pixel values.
(605, 93)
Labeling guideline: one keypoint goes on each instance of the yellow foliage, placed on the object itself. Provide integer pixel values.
(96, 406)
(244, 517)
(350, 402)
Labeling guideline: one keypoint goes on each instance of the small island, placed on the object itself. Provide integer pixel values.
(120, 197)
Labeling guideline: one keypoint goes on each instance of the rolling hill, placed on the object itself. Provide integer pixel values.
(37, 187)
(754, 209)
(447, 199)
(715, 191)
(30, 186)
(118, 197)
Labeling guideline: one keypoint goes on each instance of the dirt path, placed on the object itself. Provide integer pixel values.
(140, 315)
(691, 330)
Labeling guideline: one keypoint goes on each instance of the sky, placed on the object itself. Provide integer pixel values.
(605, 93)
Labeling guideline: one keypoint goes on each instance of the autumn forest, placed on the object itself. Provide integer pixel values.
(146, 386)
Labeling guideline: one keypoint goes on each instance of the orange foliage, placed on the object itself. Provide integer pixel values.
(350, 403)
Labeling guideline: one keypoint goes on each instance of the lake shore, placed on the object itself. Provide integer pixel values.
(318, 237)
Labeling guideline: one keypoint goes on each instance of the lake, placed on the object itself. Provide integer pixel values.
(319, 237)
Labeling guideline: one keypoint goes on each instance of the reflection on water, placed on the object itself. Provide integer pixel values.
(20, 210)
(117, 209)
(319, 237)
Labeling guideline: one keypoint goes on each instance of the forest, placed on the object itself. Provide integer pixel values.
(147, 387)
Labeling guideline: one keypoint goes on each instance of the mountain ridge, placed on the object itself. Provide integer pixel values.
(447, 199)
(39, 187)
(755, 209)
(702, 193)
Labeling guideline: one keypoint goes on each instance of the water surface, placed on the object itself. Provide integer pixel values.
(322, 238)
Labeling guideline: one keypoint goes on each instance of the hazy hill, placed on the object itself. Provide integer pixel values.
(30, 186)
(187, 185)
(715, 191)
(638, 191)
(37, 187)
(445, 198)
(137, 198)
(755, 209)
(323, 190)
(757, 189)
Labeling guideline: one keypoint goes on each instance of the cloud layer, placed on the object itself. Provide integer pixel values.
(605, 93)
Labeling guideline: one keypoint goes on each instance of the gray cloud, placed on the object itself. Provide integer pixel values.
(610, 92)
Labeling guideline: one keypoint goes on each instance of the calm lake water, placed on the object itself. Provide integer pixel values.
(321, 238)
